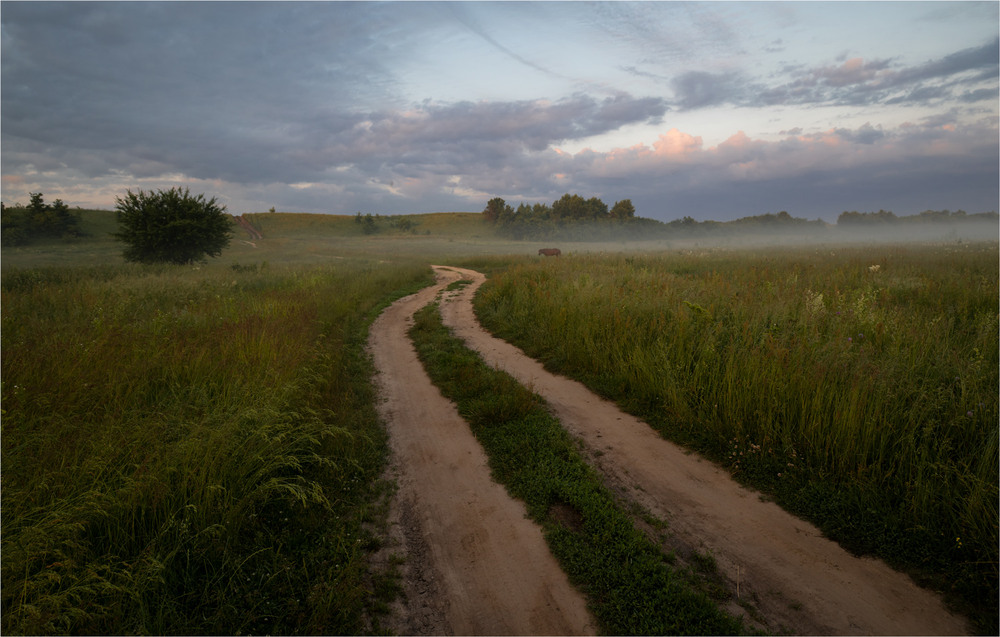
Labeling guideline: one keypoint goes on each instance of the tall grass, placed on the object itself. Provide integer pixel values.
(859, 386)
(189, 450)
(631, 586)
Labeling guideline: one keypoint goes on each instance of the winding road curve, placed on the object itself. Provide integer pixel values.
(478, 566)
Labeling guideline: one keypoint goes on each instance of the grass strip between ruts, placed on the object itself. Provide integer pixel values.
(630, 584)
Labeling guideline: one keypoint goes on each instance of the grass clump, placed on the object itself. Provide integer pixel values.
(190, 451)
(857, 386)
(631, 588)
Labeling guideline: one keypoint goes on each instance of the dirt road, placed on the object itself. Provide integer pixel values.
(794, 578)
(475, 564)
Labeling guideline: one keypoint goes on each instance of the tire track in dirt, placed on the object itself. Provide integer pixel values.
(796, 579)
(475, 564)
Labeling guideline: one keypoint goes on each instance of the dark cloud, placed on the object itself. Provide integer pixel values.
(860, 82)
(300, 106)
(201, 85)
(697, 89)
(867, 134)
(252, 96)
(982, 59)
(854, 82)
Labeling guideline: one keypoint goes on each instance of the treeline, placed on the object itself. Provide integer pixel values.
(782, 223)
(574, 218)
(770, 222)
(21, 224)
(883, 217)
(570, 217)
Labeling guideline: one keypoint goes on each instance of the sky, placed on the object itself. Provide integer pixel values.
(713, 110)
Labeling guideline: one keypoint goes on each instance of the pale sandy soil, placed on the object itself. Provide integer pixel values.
(476, 565)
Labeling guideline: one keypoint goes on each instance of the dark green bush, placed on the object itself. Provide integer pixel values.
(171, 226)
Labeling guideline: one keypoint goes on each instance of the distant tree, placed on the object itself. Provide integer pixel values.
(596, 209)
(496, 208)
(623, 210)
(59, 220)
(541, 211)
(570, 207)
(171, 226)
(855, 217)
(23, 224)
(509, 217)
(368, 224)
(405, 224)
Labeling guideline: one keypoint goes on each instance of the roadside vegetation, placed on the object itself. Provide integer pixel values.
(632, 587)
(856, 386)
(192, 451)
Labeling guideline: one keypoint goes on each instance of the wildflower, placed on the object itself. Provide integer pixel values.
(969, 414)
(850, 340)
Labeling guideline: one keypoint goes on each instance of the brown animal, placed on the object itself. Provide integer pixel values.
(550, 252)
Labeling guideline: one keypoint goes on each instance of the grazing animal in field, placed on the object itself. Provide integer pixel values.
(550, 252)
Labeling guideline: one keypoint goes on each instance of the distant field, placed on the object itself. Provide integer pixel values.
(290, 238)
(132, 394)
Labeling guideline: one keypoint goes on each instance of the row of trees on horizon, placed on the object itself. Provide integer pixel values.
(544, 221)
(573, 217)
(20, 225)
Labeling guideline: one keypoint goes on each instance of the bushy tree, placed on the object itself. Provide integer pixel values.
(171, 226)
(623, 210)
(495, 209)
(570, 207)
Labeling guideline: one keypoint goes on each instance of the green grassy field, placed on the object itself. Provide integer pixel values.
(195, 449)
(191, 451)
(858, 386)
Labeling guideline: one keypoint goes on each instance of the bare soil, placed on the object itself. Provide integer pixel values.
(476, 565)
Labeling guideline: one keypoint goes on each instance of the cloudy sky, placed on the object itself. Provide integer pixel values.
(716, 110)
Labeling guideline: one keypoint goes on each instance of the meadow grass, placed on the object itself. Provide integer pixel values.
(857, 386)
(191, 450)
(630, 586)
(195, 449)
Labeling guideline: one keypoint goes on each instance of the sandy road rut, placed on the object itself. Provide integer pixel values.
(475, 563)
(796, 580)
